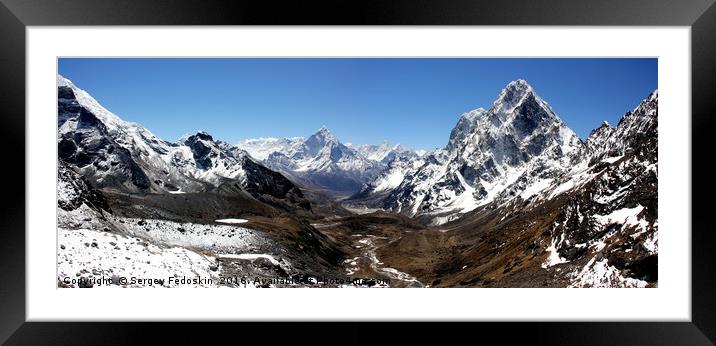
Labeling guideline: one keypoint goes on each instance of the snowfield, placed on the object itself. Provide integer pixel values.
(155, 249)
(215, 238)
(85, 253)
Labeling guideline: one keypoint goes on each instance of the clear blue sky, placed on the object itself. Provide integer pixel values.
(415, 102)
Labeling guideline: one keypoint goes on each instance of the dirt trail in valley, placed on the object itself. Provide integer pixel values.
(369, 252)
(363, 237)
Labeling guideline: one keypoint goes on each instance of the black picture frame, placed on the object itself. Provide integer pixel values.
(15, 15)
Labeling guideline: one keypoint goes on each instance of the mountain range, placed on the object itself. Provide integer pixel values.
(514, 198)
(322, 161)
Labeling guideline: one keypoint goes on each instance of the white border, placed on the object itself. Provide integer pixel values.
(671, 301)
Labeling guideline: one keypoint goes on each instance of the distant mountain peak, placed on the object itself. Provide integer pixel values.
(323, 130)
(204, 135)
(324, 135)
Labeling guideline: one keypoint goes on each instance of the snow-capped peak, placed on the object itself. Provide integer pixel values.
(324, 131)
(323, 138)
(513, 94)
(323, 135)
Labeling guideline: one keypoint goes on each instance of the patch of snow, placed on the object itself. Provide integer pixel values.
(625, 216)
(601, 274)
(612, 159)
(397, 274)
(232, 221)
(360, 209)
(651, 243)
(535, 188)
(250, 257)
(193, 235)
(441, 220)
(553, 258)
(390, 181)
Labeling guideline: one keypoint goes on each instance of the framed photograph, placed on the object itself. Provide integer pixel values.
(530, 162)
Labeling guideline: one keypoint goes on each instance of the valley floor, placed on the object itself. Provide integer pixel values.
(504, 248)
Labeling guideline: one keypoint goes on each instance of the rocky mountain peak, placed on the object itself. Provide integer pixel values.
(199, 135)
(323, 136)
(599, 132)
(203, 135)
(325, 133)
(513, 94)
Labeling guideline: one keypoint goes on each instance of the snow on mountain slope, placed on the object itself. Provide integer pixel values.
(464, 127)
(610, 219)
(261, 148)
(373, 152)
(211, 160)
(86, 257)
(491, 155)
(633, 140)
(384, 152)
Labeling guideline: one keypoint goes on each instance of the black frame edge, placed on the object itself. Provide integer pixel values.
(703, 237)
(699, 14)
(12, 224)
(364, 12)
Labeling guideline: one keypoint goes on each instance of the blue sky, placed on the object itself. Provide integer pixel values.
(415, 102)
